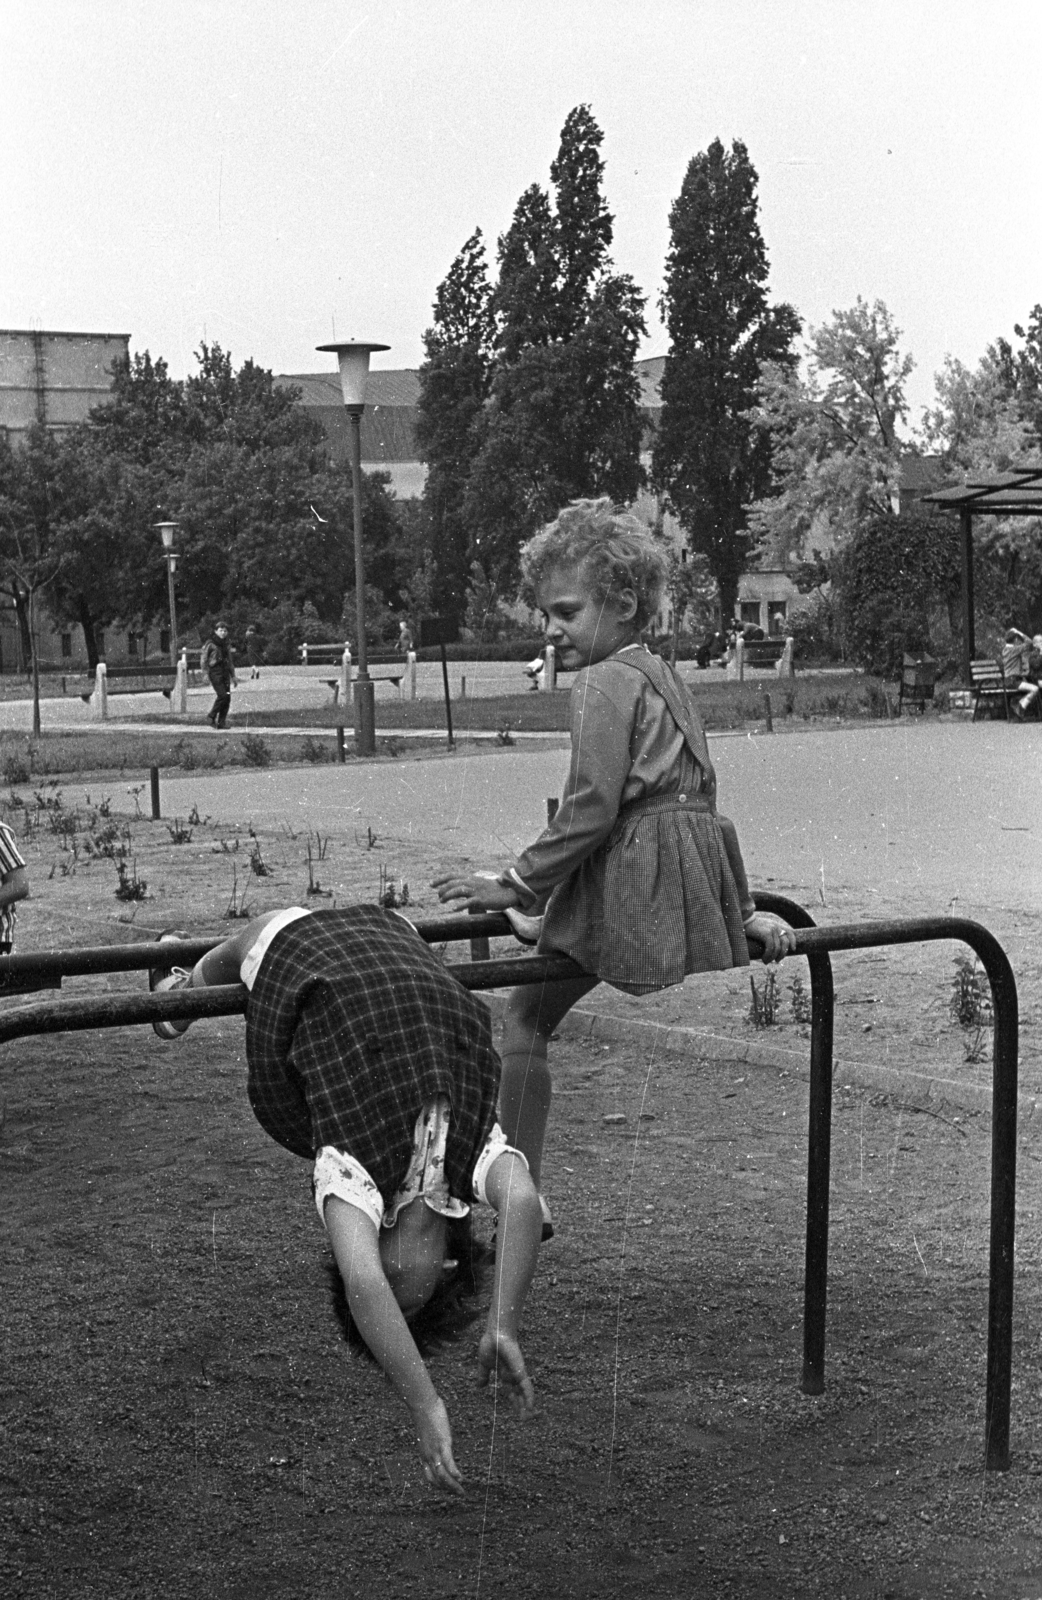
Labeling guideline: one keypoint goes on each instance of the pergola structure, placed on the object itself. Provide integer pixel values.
(1016, 493)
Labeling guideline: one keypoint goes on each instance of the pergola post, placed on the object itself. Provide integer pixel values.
(969, 643)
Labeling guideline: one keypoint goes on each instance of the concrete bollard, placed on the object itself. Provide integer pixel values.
(99, 700)
(344, 690)
(786, 667)
(153, 779)
(179, 697)
(549, 682)
(410, 661)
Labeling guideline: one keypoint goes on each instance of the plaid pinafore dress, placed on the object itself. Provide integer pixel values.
(658, 899)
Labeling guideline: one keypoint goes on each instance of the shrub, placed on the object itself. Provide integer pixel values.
(891, 578)
(256, 751)
(16, 766)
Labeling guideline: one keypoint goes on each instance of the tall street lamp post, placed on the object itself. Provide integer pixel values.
(354, 370)
(166, 533)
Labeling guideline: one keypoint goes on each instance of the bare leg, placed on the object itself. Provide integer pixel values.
(533, 1012)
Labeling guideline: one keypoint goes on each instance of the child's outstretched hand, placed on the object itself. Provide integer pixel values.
(501, 1354)
(432, 1426)
(777, 938)
(480, 892)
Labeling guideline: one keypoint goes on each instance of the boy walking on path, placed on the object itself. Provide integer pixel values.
(14, 886)
(216, 661)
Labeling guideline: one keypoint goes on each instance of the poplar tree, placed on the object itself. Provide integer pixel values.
(709, 461)
(562, 420)
(454, 386)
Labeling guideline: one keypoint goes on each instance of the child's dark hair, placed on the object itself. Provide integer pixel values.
(613, 549)
(447, 1312)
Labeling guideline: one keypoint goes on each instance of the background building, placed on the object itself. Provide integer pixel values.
(54, 378)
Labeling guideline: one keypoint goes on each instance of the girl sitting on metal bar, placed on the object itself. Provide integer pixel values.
(636, 878)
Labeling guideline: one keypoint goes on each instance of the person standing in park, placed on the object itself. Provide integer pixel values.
(405, 642)
(640, 881)
(216, 661)
(254, 651)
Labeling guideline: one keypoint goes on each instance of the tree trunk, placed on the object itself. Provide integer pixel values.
(21, 611)
(83, 611)
(35, 665)
(728, 587)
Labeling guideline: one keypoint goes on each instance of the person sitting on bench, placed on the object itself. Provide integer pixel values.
(366, 1057)
(1029, 683)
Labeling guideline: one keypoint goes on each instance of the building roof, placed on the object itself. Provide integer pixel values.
(396, 388)
(1017, 493)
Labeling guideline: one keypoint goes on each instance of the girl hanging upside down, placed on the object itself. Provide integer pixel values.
(366, 1057)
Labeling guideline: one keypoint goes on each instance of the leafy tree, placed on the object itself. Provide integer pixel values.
(1021, 371)
(29, 558)
(454, 385)
(892, 577)
(709, 461)
(981, 424)
(562, 419)
(836, 456)
(264, 520)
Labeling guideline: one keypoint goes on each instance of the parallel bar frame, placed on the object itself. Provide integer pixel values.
(813, 942)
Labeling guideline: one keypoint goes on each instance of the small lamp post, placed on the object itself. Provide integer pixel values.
(166, 533)
(354, 370)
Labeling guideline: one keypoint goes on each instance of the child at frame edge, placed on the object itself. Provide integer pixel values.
(636, 878)
(14, 886)
(366, 1056)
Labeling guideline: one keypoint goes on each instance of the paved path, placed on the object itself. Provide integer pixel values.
(934, 813)
(285, 688)
(898, 820)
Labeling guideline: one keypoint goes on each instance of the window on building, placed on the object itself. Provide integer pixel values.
(776, 616)
(749, 611)
(66, 645)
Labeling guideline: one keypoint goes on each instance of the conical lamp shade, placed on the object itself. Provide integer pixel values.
(354, 368)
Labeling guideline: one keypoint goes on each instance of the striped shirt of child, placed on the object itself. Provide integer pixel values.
(10, 861)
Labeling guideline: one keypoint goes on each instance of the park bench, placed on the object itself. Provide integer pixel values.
(757, 653)
(397, 678)
(120, 1009)
(148, 672)
(991, 687)
(763, 652)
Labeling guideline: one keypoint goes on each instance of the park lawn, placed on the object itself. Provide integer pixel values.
(275, 737)
(721, 705)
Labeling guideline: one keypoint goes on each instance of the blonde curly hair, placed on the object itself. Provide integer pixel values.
(612, 549)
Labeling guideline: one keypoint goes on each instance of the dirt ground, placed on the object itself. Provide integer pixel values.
(180, 1418)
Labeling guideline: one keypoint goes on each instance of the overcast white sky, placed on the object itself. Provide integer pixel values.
(266, 173)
